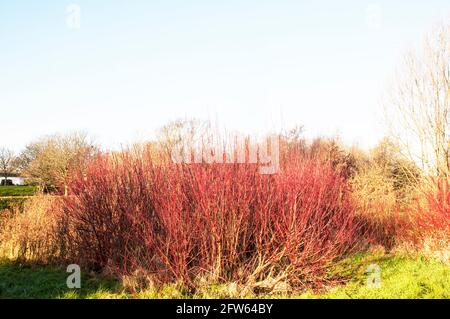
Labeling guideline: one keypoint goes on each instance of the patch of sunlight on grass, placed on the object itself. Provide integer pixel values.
(401, 277)
(107, 294)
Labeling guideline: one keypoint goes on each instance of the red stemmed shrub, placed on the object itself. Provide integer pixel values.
(224, 222)
(430, 216)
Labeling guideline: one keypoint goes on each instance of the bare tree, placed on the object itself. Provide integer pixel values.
(184, 134)
(184, 130)
(7, 163)
(49, 160)
(419, 111)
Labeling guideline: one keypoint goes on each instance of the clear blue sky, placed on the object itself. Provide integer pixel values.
(250, 65)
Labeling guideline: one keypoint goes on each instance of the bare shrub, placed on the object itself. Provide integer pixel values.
(224, 222)
(429, 219)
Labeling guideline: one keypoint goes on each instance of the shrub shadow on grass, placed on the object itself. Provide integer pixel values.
(30, 281)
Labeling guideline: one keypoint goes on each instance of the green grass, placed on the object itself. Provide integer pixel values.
(12, 191)
(14, 196)
(33, 281)
(401, 277)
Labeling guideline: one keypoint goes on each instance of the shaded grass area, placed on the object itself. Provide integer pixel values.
(9, 191)
(33, 281)
(401, 277)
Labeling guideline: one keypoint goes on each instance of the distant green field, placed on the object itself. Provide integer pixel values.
(9, 191)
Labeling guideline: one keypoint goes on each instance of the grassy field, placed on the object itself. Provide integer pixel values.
(401, 277)
(12, 191)
(14, 196)
(33, 281)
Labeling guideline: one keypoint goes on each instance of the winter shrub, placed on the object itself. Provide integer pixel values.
(184, 223)
(430, 216)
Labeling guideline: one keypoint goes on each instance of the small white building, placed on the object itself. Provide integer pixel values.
(17, 181)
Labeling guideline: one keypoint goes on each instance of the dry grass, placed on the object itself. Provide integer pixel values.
(375, 199)
(32, 234)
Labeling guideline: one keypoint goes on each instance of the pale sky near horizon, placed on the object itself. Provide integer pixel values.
(250, 65)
